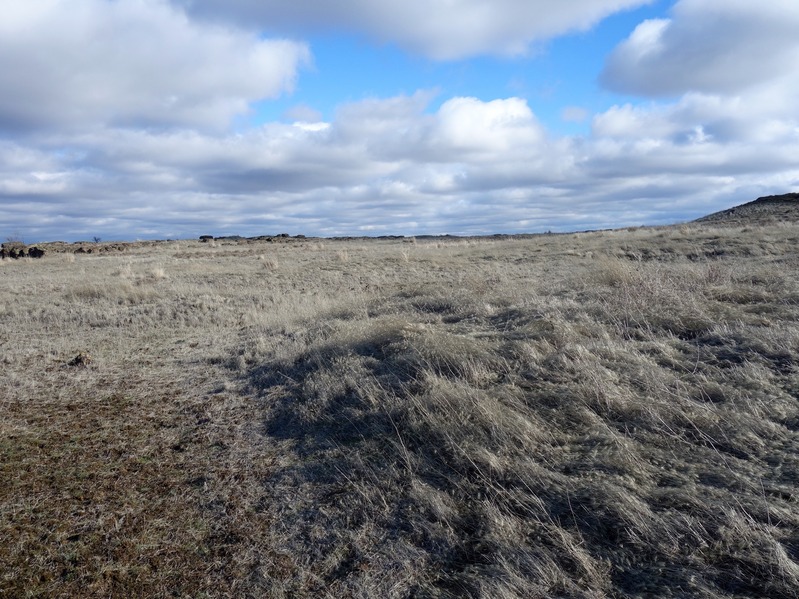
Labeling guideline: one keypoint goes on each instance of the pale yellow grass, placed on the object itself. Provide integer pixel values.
(610, 414)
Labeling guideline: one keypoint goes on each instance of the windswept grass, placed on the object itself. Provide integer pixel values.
(594, 415)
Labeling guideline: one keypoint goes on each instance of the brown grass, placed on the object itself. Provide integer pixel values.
(611, 414)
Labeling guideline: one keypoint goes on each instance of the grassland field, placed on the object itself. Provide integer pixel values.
(608, 414)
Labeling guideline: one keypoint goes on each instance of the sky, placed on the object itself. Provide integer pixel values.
(169, 119)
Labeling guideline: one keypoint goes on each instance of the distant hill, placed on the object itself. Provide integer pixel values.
(765, 210)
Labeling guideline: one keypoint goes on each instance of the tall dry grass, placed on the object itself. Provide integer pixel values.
(608, 414)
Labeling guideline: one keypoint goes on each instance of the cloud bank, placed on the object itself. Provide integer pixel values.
(389, 166)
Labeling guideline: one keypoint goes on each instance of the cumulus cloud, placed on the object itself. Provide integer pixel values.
(731, 67)
(440, 29)
(387, 166)
(144, 63)
(372, 142)
(467, 125)
(750, 118)
(709, 46)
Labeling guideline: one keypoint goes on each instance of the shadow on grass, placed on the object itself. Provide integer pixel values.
(403, 475)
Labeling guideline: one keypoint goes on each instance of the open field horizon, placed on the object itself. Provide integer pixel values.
(765, 210)
(603, 414)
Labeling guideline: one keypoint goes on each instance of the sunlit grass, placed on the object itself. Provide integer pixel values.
(588, 415)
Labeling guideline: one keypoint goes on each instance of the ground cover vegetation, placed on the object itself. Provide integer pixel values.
(608, 414)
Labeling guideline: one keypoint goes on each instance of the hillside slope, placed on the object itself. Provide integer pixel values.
(766, 210)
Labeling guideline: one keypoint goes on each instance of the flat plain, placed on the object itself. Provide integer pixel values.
(606, 414)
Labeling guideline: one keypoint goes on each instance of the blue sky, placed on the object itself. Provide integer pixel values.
(555, 74)
(132, 119)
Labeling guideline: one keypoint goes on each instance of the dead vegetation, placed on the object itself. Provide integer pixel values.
(610, 414)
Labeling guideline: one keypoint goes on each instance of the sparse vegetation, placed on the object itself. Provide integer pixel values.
(608, 414)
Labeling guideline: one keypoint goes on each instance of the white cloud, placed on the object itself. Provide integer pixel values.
(752, 118)
(732, 67)
(440, 29)
(492, 129)
(709, 46)
(393, 166)
(80, 63)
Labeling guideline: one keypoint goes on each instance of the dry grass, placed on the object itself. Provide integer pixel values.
(611, 414)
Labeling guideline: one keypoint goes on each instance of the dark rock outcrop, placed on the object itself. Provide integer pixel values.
(15, 250)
